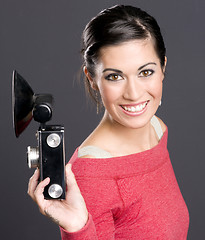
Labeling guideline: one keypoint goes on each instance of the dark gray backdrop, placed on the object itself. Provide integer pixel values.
(41, 39)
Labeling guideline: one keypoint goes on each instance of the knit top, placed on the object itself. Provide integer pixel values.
(131, 197)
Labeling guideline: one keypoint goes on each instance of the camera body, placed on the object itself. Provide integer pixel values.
(49, 157)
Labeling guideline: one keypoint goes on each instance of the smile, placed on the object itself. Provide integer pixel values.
(135, 109)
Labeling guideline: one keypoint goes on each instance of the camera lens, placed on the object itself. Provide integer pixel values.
(33, 157)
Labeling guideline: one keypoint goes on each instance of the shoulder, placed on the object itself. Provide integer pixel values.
(93, 145)
(87, 156)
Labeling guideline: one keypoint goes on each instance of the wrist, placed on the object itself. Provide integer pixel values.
(77, 224)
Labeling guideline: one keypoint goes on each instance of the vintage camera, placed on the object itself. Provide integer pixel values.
(49, 155)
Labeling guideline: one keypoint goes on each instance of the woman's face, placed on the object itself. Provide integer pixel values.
(129, 78)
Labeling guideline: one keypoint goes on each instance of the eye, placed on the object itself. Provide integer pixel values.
(146, 73)
(114, 77)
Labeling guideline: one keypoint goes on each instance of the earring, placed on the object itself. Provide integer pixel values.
(160, 103)
(97, 101)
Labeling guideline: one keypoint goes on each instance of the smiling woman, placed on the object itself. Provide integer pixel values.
(123, 186)
(131, 89)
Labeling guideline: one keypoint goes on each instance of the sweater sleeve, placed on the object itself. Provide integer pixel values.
(101, 196)
(88, 232)
(98, 196)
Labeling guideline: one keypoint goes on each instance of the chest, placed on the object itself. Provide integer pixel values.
(153, 206)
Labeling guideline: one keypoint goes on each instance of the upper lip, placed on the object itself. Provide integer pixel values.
(134, 104)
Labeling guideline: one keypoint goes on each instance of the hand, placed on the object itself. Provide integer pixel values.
(71, 213)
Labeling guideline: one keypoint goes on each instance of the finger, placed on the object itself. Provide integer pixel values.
(40, 189)
(70, 179)
(33, 182)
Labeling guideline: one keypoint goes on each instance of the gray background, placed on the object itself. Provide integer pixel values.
(41, 40)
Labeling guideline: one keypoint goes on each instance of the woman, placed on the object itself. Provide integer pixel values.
(126, 188)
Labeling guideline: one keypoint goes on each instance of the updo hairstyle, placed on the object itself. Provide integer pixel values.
(114, 26)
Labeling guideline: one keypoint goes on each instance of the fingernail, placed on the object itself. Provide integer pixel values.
(47, 180)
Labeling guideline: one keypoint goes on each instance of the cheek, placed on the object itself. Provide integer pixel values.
(109, 94)
(158, 90)
(155, 88)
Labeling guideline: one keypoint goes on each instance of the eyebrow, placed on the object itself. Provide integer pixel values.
(119, 71)
(112, 69)
(146, 65)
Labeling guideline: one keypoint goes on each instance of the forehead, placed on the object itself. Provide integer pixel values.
(137, 52)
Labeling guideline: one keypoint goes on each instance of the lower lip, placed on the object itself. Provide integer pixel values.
(135, 113)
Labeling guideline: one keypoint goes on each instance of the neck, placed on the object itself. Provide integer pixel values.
(129, 138)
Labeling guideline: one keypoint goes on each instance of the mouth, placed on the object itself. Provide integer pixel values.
(135, 108)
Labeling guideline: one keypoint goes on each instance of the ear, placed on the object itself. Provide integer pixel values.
(165, 64)
(91, 80)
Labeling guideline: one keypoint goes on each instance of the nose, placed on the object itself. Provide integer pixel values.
(133, 90)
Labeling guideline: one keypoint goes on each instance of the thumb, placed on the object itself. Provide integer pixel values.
(70, 178)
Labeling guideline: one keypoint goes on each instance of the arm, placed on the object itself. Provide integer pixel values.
(88, 232)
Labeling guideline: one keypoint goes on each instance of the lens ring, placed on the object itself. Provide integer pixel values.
(32, 157)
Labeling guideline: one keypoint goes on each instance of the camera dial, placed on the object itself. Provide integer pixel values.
(55, 191)
(32, 157)
(53, 140)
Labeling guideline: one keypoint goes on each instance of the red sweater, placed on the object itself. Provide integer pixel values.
(131, 197)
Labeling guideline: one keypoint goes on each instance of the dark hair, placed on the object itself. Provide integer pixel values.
(116, 25)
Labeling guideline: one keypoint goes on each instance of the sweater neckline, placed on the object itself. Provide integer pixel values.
(135, 163)
(161, 141)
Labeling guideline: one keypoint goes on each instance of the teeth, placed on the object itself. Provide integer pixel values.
(138, 108)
